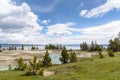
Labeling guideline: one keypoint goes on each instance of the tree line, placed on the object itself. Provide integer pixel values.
(52, 46)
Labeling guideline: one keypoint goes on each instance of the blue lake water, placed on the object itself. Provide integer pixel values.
(55, 58)
(40, 47)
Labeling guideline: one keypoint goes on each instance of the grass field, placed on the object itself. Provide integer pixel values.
(107, 68)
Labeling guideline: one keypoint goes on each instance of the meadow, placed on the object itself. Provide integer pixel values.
(107, 68)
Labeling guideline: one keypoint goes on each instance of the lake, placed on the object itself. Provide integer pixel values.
(40, 47)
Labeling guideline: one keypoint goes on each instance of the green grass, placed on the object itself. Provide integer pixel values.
(107, 68)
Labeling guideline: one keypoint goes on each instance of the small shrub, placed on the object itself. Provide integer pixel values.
(110, 53)
(21, 65)
(73, 57)
(41, 72)
(100, 54)
(46, 62)
(34, 68)
(9, 67)
(0, 50)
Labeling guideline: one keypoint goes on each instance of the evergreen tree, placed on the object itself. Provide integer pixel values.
(35, 67)
(33, 47)
(110, 53)
(114, 45)
(84, 46)
(22, 47)
(73, 57)
(46, 60)
(0, 48)
(21, 64)
(100, 54)
(64, 56)
(34, 64)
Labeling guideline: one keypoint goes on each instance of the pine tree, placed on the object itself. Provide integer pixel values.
(73, 57)
(21, 64)
(100, 54)
(46, 60)
(64, 56)
(0, 48)
(22, 47)
(35, 67)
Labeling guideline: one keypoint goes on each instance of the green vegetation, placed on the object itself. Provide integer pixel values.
(73, 57)
(64, 56)
(22, 47)
(84, 46)
(93, 46)
(84, 69)
(12, 47)
(0, 48)
(110, 53)
(34, 67)
(100, 54)
(46, 60)
(34, 48)
(21, 65)
(51, 46)
(114, 45)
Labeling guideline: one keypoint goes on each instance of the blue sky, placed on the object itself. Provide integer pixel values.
(59, 21)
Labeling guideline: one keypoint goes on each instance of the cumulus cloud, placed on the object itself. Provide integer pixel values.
(46, 21)
(101, 10)
(17, 23)
(83, 12)
(102, 34)
(60, 29)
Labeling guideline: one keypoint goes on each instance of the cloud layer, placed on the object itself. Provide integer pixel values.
(101, 10)
(18, 24)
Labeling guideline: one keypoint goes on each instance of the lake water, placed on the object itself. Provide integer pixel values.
(55, 58)
(40, 47)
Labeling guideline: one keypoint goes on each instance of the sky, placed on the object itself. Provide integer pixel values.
(58, 21)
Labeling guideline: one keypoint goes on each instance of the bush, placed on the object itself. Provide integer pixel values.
(41, 72)
(0, 50)
(34, 68)
(46, 60)
(100, 54)
(9, 67)
(64, 56)
(110, 53)
(73, 57)
(21, 65)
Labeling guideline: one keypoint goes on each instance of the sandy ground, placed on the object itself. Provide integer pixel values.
(10, 57)
(49, 73)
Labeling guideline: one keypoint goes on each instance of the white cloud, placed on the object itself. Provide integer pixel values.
(102, 34)
(102, 10)
(60, 29)
(83, 12)
(46, 21)
(18, 24)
